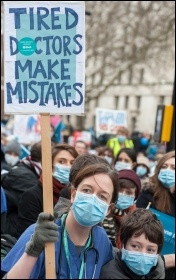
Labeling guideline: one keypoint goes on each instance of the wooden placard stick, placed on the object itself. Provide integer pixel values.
(47, 190)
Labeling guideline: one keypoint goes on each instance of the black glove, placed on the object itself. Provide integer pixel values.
(45, 231)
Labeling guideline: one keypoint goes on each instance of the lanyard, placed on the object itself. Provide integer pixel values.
(65, 244)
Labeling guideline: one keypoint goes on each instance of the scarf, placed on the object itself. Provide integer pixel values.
(35, 166)
(118, 214)
(57, 187)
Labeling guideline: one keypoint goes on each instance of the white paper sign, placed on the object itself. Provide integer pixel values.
(108, 121)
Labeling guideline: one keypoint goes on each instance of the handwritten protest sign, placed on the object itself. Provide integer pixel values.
(108, 121)
(44, 57)
(168, 223)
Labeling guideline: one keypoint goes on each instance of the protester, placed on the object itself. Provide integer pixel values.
(20, 178)
(130, 188)
(125, 159)
(160, 189)
(31, 203)
(64, 203)
(81, 147)
(12, 152)
(142, 168)
(142, 236)
(85, 246)
(107, 153)
(120, 141)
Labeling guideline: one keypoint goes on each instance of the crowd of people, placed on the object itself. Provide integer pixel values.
(103, 225)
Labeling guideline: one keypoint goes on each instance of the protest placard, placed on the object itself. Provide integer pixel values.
(168, 223)
(108, 121)
(44, 57)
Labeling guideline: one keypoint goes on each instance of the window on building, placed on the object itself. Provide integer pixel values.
(126, 102)
(138, 101)
(117, 102)
(130, 75)
(120, 77)
(141, 76)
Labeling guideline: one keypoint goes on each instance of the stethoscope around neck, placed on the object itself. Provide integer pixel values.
(84, 259)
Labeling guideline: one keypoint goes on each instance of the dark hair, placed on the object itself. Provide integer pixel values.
(161, 194)
(141, 221)
(127, 184)
(36, 152)
(130, 152)
(84, 160)
(63, 146)
(98, 168)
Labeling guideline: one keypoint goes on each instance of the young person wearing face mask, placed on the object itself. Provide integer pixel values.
(120, 141)
(81, 247)
(142, 168)
(160, 192)
(130, 188)
(31, 202)
(142, 237)
(125, 159)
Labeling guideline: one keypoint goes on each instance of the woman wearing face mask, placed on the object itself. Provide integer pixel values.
(125, 159)
(160, 189)
(130, 188)
(81, 247)
(31, 202)
(142, 237)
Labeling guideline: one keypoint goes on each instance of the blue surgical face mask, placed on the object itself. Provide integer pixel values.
(124, 201)
(109, 159)
(167, 177)
(120, 165)
(88, 209)
(141, 171)
(121, 138)
(62, 173)
(139, 263)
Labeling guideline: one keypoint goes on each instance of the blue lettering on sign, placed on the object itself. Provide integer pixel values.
(42, 14)
(42, 91)
(42, 80)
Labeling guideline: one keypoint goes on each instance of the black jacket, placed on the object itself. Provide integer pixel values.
(31, 204)
(15, 182)
(117, 269)
(146, 196)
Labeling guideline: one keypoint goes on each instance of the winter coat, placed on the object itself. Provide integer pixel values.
(146, 196)
(15, 183)
(117, 269)
(31, 204)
